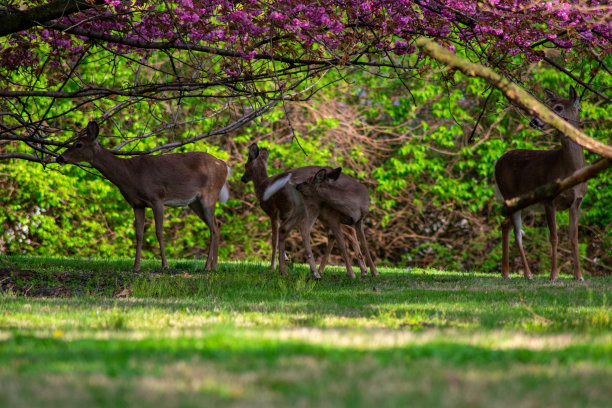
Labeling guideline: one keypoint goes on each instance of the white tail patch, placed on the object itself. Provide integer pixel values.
(518, 230)
(274, 187)
(224, 193)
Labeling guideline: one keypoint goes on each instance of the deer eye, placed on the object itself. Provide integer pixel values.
(558, 108)
(78, 145)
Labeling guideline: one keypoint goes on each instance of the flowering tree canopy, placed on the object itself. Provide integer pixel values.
(63, 57)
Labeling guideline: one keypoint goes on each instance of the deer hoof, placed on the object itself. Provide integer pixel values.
(315, 275)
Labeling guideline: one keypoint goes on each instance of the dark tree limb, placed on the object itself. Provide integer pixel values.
(22, 156)
(22, 20)
(550, 190)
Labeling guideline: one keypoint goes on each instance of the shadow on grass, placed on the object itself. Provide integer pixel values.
(402, 298)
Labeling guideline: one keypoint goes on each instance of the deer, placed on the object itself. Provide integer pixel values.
(285, 206)
(348, 232)
(346, 199)
(520, 171)
(195, 179)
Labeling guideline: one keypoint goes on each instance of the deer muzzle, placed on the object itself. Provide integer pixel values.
(537, 124)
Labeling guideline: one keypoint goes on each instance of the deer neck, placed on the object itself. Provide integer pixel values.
(572, 152)
(260, 178)
(112, 167)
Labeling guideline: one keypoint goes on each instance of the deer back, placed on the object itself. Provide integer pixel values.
(342, 193)
(277, 193)
(175, 179)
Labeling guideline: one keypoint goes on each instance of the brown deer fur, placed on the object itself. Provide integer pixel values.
(347, 198)
(287, 208)
(194, 179)
(520, 171)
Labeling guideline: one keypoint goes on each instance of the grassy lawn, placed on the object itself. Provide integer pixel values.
(91, 333)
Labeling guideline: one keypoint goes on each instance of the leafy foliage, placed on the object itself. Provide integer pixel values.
(432, 191)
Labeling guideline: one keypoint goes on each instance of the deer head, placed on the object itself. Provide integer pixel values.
(321, 180)
(257, 163)
(567, 108)
(340, 192)
(84, 149)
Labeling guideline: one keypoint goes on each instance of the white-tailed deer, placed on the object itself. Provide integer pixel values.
(193, 179)
(348, 232)
(520, 171)
(286, 207)
(346, 199)
(283, 204)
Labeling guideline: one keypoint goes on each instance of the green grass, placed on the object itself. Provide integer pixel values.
(245, 336)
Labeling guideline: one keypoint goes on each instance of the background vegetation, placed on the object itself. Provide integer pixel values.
(432, 190)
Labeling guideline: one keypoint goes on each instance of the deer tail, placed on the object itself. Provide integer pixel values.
(274, 187)
(224, 193)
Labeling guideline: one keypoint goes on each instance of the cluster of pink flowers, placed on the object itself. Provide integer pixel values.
(252, 28)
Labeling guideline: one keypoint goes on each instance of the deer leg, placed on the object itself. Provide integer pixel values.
(305, 228)
(213, 252)
(554, 239)
(139, 221)
(506, 226)
(352, 236)
(337, 230)
(364, 247)
(274, 224)
(282, 260)
(330, 245)
(207, 214)
(574, 215)
(518, 236)
(158, 215)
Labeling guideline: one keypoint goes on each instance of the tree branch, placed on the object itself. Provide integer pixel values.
(221, 131)
(550, 190)
(514, 93)
(578, 80)
(22, 20)
(175, 45)
(22, 156)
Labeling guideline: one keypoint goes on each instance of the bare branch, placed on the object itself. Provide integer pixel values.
(22, 156)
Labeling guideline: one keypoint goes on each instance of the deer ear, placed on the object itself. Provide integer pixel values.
(334, 174)
(552, 94)
(573, 95)
(319, 176)
(93, 130)
(264, 153)
(253, 151)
